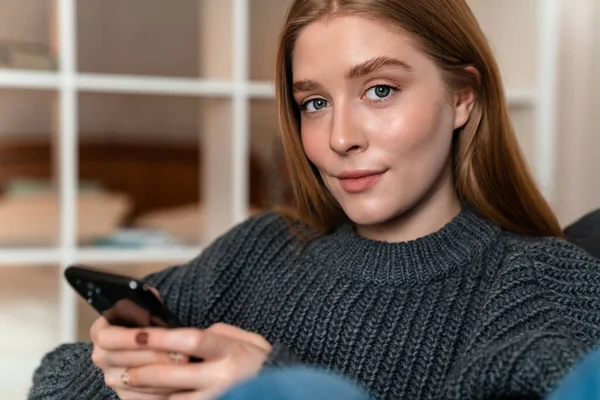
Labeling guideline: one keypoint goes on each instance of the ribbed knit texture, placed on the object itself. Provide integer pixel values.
(468, 312)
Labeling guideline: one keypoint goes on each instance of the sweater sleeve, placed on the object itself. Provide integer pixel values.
(189, 291)
(281, 356)
(68, 372)
(541, 316)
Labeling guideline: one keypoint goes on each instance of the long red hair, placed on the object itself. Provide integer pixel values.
(490, 172)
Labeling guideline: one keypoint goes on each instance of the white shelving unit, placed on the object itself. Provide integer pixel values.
(68, 82)
(227, 202)
(524, 35)
(546, 115)
(597, 16)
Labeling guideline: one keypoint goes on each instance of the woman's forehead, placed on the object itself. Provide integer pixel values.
(346, 41)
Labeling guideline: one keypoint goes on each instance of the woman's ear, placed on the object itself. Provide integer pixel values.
(464, 100)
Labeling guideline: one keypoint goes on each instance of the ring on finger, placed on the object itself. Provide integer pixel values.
(125, 377)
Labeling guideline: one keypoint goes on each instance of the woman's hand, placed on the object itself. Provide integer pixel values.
(116, 349)
(229, 355)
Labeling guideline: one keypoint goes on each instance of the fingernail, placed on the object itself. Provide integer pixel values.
(176, 357)
(125, 378)
(141, 338)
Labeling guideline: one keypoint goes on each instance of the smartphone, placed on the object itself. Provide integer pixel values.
(122, 300)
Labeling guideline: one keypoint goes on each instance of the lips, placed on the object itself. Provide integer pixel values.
(359, 181)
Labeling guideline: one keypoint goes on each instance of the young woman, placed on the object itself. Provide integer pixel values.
(420, 260)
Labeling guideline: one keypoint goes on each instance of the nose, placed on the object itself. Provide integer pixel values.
(346, 135)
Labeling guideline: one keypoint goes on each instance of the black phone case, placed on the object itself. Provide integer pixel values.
(122, 300)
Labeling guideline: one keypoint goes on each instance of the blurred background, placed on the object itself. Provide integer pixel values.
(133, 132)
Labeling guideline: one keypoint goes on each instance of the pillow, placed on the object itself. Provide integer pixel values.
(585, 232)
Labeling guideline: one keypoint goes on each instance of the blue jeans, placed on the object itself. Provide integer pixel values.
(301, 383)
(297, 383)
(583, 382)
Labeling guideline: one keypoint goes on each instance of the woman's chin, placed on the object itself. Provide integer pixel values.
(367, 217)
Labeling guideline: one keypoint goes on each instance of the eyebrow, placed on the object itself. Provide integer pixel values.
(357, 71)
(375, 64)
(305, 85)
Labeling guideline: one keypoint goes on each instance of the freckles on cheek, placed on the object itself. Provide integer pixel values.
(410, 129)
(400, 134)
(311, 144)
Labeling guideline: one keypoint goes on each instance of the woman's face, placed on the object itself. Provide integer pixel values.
(376, 119)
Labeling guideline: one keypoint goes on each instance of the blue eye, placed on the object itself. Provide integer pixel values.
(379, 92)
(315, 105)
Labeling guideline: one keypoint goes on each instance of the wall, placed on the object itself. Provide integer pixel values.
(268, 18)
(144, 37)
(577, 189)
(25, 20)
(109, 43)
(597, 100)
(138, 37)
(127, 37)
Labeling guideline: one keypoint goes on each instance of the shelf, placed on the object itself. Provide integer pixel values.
(261, 90)
(29, 256)
(143, 255)
(176, 86)
(51, 257)
(22, 79)
(154, 85)
(172, 86)
(521, 98)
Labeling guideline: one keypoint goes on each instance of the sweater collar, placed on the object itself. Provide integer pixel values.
(459, 243)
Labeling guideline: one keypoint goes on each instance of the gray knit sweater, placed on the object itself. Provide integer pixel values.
(468, 312)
